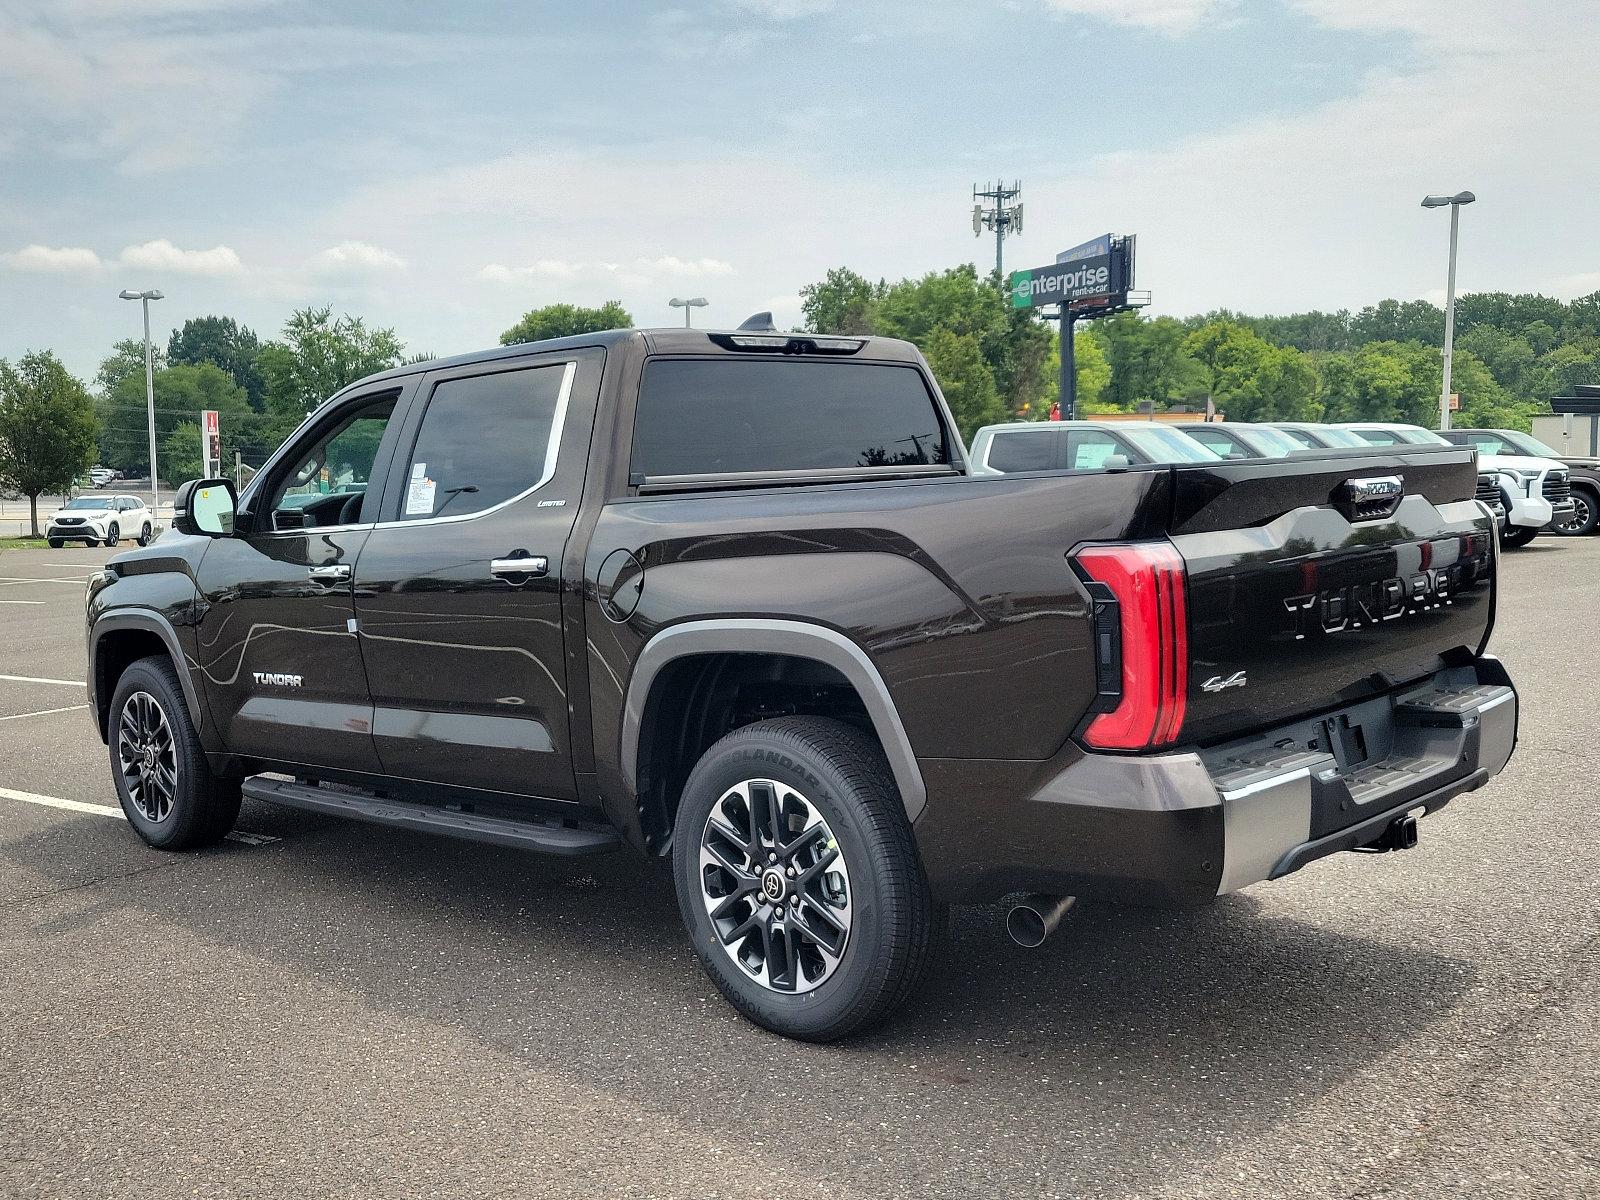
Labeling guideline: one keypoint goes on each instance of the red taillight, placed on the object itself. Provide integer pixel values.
(1147, 580)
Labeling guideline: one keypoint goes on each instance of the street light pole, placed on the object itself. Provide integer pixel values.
(149, 393)
(686, 305)
(1455, 202)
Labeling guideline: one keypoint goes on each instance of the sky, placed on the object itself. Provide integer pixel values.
(442, 168)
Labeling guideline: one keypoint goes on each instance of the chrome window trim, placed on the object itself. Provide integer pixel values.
(551, 453)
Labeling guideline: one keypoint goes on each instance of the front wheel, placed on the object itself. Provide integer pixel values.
(113, 535)
(798, 879)
(1517, 536)
(170, 795)
(1585, 515)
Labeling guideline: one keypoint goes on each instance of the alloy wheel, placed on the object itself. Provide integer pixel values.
(1582, 518)
(775, 886)
(147, 756)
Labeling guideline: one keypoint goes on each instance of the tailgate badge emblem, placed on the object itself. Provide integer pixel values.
(1370, 499)
(1218, 683)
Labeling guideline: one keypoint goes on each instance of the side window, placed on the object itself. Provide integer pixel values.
(1380, 437)
(326, 482)
(1491, 445)
(1221, 443)
(1090, 448)
(1299, 438)
(1025, 450)
(484, 439)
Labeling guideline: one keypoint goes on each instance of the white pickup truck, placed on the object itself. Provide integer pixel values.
(1535, 491)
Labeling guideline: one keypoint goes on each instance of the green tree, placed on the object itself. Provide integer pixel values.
(1382, 381)
(844, 302)
(965, 378)
(126, 358)
(1149, 362)
(1250, 379)
(317, 355)
(565, 320)
(182, 392)
(47, 428)
(182, 456)
(1399, 321)
(1571, 364)
(1093, 374)
(225, 343)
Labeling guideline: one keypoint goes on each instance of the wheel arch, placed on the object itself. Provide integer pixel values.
(120, 639)
(824, 657)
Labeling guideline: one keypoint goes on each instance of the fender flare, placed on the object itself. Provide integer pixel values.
(151, 621)
(794, 639)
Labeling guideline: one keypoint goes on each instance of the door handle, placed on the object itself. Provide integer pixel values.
(338, 573)
(532, 566)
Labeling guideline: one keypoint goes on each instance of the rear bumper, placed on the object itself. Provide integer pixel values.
(1184, 828)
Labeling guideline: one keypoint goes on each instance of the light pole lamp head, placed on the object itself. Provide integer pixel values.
(130, 294)
(1443, 201)
(692, 302)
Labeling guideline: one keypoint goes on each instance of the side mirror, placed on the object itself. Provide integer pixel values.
(1115, 462)
(205, 507)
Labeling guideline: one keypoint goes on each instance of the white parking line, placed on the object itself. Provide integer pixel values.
(41, 679)
(44, 712)
(14, 580)
(105, 810)
(21, 601)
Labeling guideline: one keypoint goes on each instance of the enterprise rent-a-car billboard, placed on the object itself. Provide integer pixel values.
(1094, 270)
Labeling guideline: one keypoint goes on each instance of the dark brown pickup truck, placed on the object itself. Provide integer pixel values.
(734, 599)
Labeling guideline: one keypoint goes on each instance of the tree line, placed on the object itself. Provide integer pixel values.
(1383, 363)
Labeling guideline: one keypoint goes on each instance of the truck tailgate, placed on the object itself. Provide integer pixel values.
(1321, 581)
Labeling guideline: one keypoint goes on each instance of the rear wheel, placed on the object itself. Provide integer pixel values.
(1518, 535)
(798, 879)
(1585, 516)
(169, 793)
(144, 534)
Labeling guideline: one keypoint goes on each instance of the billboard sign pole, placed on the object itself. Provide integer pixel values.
(210, 443)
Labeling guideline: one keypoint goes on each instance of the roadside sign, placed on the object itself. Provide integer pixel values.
(1099, 247)
(1455, 401)
(1090, 275)
(210, 442)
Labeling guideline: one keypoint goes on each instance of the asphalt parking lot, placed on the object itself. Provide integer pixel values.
(356, 1012)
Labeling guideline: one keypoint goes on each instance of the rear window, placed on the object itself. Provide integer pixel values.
(1025, 450)
(727, 415)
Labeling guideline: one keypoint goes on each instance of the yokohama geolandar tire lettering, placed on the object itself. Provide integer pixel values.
(798, 879)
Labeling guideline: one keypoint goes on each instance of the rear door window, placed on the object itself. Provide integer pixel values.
(728, 416)
(1020, 450)
(484, 440)
(1218, 442)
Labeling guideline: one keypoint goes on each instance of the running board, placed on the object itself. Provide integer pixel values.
(545, 837)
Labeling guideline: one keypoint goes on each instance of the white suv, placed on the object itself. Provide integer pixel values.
(108, 519)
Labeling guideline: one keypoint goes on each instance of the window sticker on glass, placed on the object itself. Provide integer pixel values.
(1092, 455)
(419, 496)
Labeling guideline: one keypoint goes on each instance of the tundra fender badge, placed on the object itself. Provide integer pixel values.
(1218, 683)
(275, 679)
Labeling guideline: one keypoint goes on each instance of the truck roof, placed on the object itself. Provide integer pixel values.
(667, 340)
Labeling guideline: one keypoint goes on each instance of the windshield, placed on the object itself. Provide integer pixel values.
(1166, 445)
(1418, 436)
(1272, 441)
(86, 502)
(1338, 437)
(1529, 444)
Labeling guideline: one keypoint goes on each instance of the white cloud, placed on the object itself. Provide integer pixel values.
(52, 260)
(1171, 17)
(693, 268)
(350, 260)
(162, 255)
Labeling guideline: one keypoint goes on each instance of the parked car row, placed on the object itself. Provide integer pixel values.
(1529, 488)
(95, 520)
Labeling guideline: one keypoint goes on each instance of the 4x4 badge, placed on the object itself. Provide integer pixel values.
(1218, 684)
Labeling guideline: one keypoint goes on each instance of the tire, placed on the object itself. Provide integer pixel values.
(819, 772)
(113, 534)
(1586, 517)
(55, 543)
(184, 804)
(1517, 536)
(144, 534)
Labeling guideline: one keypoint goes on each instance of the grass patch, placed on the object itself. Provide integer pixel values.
(23, 543)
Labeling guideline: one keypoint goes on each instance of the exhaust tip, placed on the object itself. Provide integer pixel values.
(1035, 918)
(1026, 926)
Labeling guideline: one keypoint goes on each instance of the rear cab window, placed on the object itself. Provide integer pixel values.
(728, 417)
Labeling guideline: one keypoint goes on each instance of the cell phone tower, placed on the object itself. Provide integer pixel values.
(993, 209)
